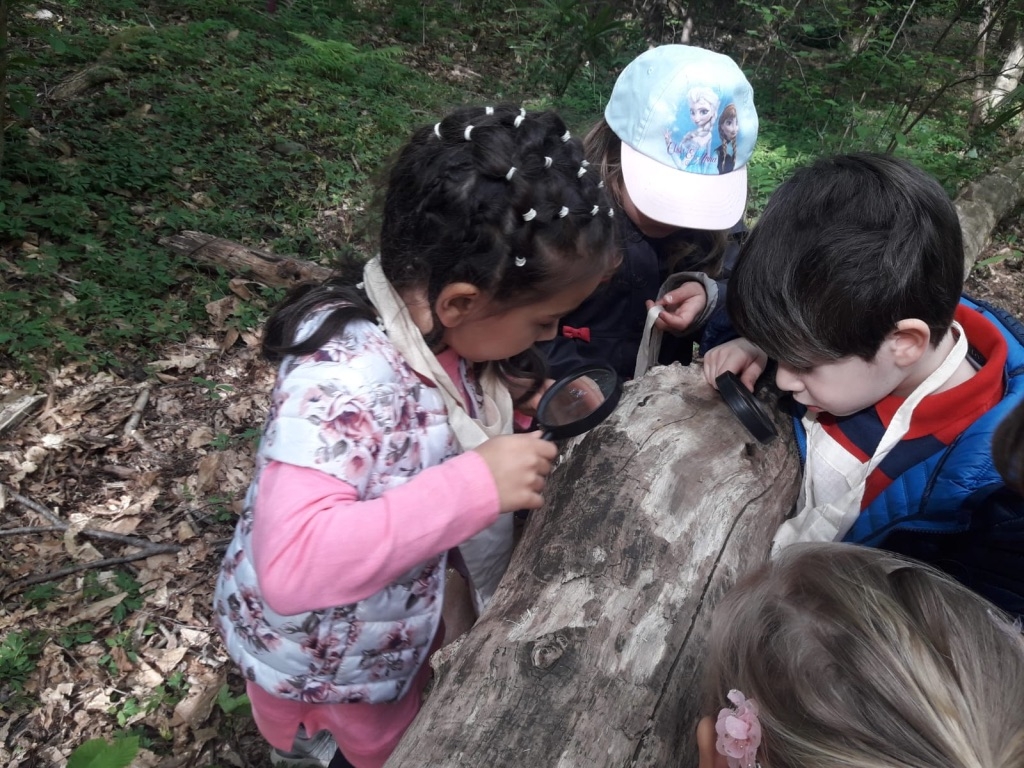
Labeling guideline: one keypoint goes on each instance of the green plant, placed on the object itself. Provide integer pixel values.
(233, 705)
(214, 390)
(19, 652)
(100, 753)
(41, 594)
(76, 634)
(343, 61)
(559, 37)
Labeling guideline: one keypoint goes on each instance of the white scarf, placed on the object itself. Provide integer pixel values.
(830, 519)
(495, 416)
(487, 553)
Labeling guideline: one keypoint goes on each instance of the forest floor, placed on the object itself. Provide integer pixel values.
(129, 647)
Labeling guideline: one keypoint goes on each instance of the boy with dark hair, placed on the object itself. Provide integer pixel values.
(851, 281)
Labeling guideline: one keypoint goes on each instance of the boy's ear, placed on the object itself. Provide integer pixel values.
(909, 342)
(456, 302)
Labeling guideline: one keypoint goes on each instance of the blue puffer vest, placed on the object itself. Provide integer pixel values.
(953, 509)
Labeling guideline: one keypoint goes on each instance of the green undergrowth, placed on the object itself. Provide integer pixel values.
(273, 130)
(215, 117)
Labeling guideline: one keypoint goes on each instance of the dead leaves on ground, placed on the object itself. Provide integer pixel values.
(174, 478)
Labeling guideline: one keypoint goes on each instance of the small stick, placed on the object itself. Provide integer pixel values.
(35, 506)
(137, 408)
(91, 533)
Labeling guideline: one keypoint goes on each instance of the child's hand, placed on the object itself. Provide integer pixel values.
(682, 306)
(520, 465)
(739, 356)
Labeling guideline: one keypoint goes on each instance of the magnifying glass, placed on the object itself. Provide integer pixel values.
(746, 407)
(578, 401)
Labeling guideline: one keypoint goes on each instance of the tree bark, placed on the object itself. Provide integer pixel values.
(590, 652)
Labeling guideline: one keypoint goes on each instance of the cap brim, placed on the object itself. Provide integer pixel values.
(683, 199)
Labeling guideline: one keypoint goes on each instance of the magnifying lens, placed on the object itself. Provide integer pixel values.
(578, 402)
(746, 407)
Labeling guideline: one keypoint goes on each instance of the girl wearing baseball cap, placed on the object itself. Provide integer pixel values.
(672, 148)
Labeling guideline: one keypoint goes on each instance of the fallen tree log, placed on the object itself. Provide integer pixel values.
(590, 652)
(985, 202)
(264, 266)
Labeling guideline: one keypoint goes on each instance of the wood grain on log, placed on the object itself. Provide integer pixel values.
(590, 652)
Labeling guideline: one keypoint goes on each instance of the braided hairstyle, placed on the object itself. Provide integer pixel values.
(492, 196)
(498, 198)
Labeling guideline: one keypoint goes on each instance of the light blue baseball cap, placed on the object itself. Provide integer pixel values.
(687, 122)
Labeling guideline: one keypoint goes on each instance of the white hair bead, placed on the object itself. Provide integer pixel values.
(510, 174)
(437, 130)
(594, 210)
(530, 215)
(547, 161)
(563, 212)
(581, 171)
(611, 212)
(566, 136)
(520, 261)
(488, 110)
(518, 121)
(465, 133)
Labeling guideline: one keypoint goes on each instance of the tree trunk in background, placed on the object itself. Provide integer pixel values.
(980, 97)
(1009, 76)
(590, 652)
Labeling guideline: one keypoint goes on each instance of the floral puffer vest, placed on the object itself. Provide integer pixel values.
(355, 410)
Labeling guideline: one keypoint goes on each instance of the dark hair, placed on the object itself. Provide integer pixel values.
(860, 658)
(683, 250)
(1008, 449)
(467, 199)
(845, 249)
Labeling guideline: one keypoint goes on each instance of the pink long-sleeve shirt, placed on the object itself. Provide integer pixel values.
(317, 545)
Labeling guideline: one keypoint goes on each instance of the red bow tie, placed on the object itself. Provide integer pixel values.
(576, 333)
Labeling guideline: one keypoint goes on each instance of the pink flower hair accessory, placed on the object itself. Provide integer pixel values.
(739, 732)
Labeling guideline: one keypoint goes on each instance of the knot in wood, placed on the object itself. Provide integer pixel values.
(548, 649)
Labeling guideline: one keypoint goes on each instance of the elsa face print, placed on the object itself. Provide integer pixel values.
(696, 120)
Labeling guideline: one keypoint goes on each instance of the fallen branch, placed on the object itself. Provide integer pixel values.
(146, 547)
(18, 585)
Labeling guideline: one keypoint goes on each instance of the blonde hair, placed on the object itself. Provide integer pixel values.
(603, 149)
(859, 658)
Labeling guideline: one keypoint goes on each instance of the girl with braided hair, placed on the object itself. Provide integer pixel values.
(389, 441)
(841, 656)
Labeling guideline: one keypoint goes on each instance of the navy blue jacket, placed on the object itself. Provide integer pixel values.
(953, 509)
(607, 327)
